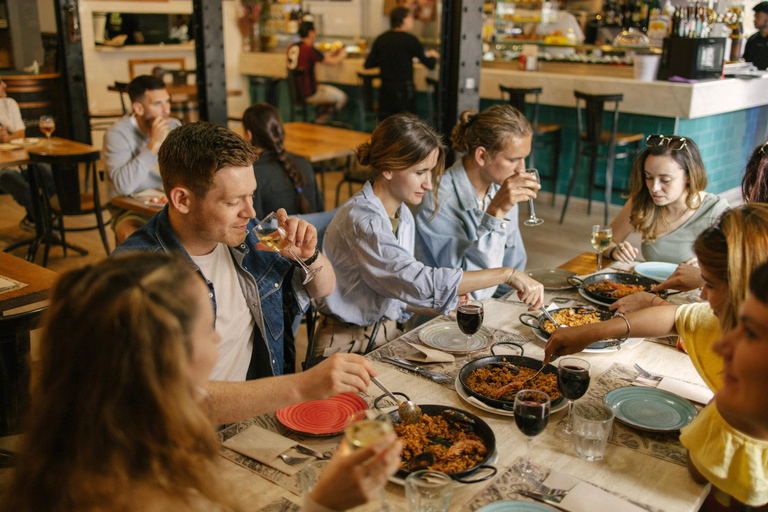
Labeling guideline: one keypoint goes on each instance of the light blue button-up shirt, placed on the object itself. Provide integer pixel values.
(376, 272)
(462, 235)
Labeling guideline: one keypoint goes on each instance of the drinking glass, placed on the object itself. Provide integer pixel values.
(428, 491)
(601, 239)
(271, 233)
(533, 220)
(592, 426)
(531, 416)
(47, 126)
(310, 474)
(470, 319)
(573, 382)
(365, 428)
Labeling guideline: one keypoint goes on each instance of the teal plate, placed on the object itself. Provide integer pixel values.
(657, 270)
(515, 506)
(650, 408)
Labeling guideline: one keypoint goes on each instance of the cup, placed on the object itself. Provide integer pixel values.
(309, 476)
(646, 67)
(591, 429)
(428, 490)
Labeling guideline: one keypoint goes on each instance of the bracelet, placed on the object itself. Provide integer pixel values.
(510, 276)
(660, 303)
(310, 260)
(610, 254)
(618, 342)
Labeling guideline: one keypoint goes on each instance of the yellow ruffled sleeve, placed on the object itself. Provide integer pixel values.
(699, 328)
(735, 463)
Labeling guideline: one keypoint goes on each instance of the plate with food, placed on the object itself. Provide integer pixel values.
(656, 270)
(25, 141)
(651, 409)
(321, 417)
(491, 380)
(516, 506)
(552, 278)
(447, 336)
(157, 201)
(606, 288)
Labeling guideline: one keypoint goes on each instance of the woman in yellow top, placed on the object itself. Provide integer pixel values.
(728, 443)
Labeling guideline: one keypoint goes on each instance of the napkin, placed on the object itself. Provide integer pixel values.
(428, 355)
(584, 497)
(265, 446)
(692, 392)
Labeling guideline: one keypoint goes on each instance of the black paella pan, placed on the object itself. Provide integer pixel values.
(538, 323)
(482, 471)
(613, 277)
(520, 361)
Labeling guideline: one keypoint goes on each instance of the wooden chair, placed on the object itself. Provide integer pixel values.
(593, 138)
(550, 132)
(298, 100)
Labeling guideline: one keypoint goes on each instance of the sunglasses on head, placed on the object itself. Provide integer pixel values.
(673, 142)
(763, 149)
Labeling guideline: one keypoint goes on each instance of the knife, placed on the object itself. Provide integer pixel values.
(437, 377)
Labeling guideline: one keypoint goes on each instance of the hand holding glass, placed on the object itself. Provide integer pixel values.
(271, 233)
(365, 428)
(531, 417)
(573, 382)
(533, 220)
(601, 239)
(470, 319)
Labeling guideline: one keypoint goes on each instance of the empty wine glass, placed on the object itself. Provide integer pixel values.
(601, 239)
(47, 126)
(533, 220)
(531, 417)
(470, 318)
(573, 382)
(272, 234)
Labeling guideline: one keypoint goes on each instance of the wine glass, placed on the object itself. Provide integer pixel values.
(531, 417)
(601, 239)
(533, 220)
(272, 234)
(573, 382)
(47, 126)
(470, 318)
(365, 428)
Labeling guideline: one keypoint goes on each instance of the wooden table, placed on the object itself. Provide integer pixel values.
(658, 483)
(57, 146)
(134, 205)
(585, 263)
(14, 336)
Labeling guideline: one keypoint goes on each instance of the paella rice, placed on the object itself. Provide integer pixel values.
(615, 290)
(453, 449)
(571, 318)
(496, 382)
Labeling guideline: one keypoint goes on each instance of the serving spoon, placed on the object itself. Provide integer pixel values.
(408, 411)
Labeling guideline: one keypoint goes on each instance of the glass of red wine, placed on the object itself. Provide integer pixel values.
(531, 417)
(573, 381)
(470, 319)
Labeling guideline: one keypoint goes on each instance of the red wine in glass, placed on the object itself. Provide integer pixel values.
(531, 417)
(470, 319)
(573, 382)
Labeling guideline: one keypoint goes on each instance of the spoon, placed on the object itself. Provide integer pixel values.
(408, 411)
(550, 317)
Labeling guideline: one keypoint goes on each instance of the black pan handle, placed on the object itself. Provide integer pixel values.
(489, 474)
(378, 399)
(506, 343)
(528, 315)
(574, 281)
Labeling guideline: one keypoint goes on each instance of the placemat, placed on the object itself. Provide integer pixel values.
(281, 505)
(665, 446)
(7, 284)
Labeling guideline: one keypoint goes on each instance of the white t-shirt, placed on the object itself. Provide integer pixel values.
(234, 321)
(10, 116)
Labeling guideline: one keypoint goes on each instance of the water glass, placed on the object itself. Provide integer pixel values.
(310, 474)
(428, 491)
(591, 428)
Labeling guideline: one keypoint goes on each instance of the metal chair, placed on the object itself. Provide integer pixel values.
(353, 173)
(298, 100)
(366, 101)
(595, 137)
(516, 98)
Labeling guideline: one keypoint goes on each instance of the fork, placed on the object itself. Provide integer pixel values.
(646, 374)
(543, 489)
(292, 461)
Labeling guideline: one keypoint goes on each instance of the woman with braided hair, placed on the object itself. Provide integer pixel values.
(284, 180)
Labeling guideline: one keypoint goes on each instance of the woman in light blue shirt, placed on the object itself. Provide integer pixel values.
(476, 226)
(371, 245)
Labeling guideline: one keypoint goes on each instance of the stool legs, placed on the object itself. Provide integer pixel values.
(555, 164)
(576, 165)
(609, 180)
(592, 172)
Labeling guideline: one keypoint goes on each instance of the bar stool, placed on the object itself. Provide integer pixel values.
(516, 98)
(590, 141)
(298, 100)
(432, 86)
(366, 101)
(270, 87)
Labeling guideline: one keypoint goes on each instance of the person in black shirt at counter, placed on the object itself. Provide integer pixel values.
(756, 50)
(393, 52)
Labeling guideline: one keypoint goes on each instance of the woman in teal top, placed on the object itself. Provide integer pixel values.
(667, 204)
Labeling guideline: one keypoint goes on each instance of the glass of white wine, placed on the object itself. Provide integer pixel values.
(47, 127)
(601, 239)
(272, 234)
(533, 220)
(365, 428)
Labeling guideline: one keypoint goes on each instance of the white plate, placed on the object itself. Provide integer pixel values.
(656, 270)
(29, 141)
(487, 408)
(630, 343)
(590, 299)
(448, 337)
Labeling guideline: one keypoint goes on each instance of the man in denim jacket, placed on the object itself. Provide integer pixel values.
(208, 177)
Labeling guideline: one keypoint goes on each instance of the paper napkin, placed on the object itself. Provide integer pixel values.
(692, 392)
(584, 497)
(265, 446)
(423, 354)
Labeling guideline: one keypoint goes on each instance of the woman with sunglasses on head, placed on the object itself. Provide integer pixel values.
(667, 203)
(477, 226)
(728, 442)
(119, 415)
(371, 245)
(728, 252)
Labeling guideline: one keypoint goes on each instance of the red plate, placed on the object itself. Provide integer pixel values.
(322, 417)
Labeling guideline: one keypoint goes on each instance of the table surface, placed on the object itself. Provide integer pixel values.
(39, 282)
(317, 142)
(659, 484)
(57, 146)
(135, 205)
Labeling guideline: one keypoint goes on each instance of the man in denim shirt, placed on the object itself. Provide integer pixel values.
(208, 177)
